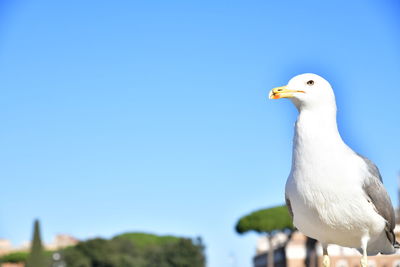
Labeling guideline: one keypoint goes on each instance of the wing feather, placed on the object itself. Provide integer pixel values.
(289, 206)
(378, 196)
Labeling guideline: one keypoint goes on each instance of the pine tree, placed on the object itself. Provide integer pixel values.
(36, 257)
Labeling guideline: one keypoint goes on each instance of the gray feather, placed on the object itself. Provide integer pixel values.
(289, 206)
(373, 170)
(378, 196)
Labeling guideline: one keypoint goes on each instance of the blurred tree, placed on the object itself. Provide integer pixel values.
(36, 257)
(268, 221)
(21, 257)
(75, 258)
(184, 253)
(136, 250)
(15, 257)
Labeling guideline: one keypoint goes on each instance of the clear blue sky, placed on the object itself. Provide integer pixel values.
(153, 115)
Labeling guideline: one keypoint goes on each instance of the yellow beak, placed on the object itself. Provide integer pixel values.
(282, 92)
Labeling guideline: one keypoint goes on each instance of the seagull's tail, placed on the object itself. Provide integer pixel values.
(392, 238)
(383, 245)
(396, 245)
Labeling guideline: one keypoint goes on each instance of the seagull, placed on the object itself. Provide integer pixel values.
(334, 195)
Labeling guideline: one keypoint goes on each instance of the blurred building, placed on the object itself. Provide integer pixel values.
(60, 241)
(5, 246)
(7, 264)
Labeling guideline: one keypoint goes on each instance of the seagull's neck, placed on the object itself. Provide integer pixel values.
(316, 135)
(317, 124)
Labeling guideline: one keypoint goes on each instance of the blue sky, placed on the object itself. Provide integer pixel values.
(153, 115)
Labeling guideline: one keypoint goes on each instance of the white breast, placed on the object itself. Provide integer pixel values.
(325, 188)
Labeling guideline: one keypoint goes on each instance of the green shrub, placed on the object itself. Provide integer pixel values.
(15, 257)
(136, 250)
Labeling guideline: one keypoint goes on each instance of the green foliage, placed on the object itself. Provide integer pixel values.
(266, 221)
(75, 258)
(126, 250)
(22, 256)
(15, 257)
(184, 254)
(36, 257)
(136, 250)
(143, 240)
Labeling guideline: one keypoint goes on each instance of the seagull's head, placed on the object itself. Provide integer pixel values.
(307, 91)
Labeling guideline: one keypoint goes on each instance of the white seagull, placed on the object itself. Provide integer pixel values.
(334, 195)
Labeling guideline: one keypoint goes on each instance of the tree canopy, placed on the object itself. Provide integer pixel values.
(136, 249)
(127, 250)
(143, 240)
(266, 220)
(15, 257)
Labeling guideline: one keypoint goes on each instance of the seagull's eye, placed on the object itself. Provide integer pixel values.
(310, 82)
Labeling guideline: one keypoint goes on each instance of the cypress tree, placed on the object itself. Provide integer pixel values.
(36, 257)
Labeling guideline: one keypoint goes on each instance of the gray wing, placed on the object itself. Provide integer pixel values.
(289, 206)
(378, 196)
